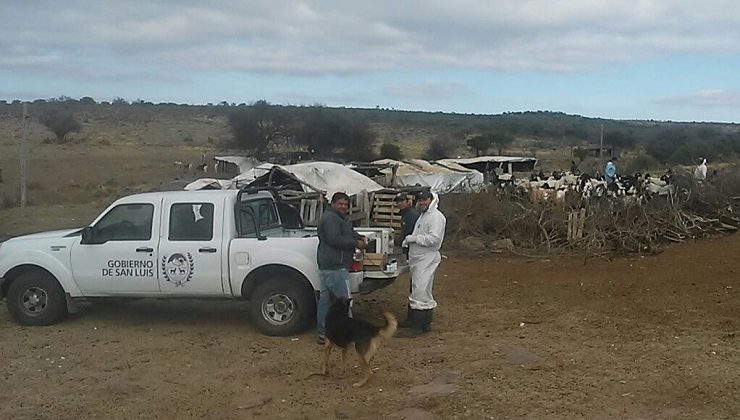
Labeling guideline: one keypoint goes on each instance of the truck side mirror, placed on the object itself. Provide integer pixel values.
(90, 237)
(86, 235)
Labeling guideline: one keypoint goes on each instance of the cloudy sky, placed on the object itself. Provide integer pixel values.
(641, 59)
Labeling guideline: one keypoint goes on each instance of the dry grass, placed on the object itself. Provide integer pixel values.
(69, 183)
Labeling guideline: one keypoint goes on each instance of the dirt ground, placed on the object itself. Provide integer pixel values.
(635, 338)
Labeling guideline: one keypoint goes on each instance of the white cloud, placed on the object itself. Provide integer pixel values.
(338, 37)
(704, 98)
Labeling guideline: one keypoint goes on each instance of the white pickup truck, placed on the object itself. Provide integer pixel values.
(182, 244)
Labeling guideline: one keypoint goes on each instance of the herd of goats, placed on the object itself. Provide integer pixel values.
(638, 187)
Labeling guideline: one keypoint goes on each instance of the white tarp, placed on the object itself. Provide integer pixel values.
(210, 183)
(237, 182)
(328, 177)
(441, 178)
(247, 177)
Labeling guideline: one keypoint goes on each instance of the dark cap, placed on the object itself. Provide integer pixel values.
(401, 197)
(422, 195)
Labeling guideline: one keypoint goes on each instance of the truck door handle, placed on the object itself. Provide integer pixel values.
(208, 249)
(144, 249)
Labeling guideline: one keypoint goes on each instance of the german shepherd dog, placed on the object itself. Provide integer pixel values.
(343, 331)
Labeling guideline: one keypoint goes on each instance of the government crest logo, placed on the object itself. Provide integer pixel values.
(178, 268)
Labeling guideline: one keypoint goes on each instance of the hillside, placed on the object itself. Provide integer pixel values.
(125, 147)
(207, 125)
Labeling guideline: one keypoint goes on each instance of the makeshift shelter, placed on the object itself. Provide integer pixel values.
(499, 165)
(596, 151)
(440, 177)
(324, 177)
(507, 164)
(234, 164)
(374, 171)
(305, 184)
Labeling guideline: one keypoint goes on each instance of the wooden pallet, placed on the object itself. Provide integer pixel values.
(311, 211)
(359, 208)
(576, 220)
(374, 262)
(384, 211)
(388, 196)
(387, 217)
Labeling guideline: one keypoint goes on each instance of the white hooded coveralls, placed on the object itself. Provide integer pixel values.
(700, 173)
(424, 257)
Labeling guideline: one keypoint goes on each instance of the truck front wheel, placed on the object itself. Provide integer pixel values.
(282, 306)
(36, 298)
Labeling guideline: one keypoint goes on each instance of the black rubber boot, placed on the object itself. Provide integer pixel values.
(416, 325)
(426, 324)
(409, 321)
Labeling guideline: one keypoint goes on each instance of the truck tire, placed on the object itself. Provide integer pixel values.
(282, 306)
(36, 298)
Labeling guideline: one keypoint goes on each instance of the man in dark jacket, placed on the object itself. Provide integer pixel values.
(409, 216)
(337, 243)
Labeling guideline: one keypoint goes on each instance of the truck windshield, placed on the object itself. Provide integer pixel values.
(264, 212)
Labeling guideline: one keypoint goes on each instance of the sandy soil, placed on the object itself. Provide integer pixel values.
(636, 338)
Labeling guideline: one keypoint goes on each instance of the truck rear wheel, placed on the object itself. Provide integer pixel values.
(36, 298)
(282, 306)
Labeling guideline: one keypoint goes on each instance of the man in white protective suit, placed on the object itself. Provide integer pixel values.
(424, 257)
(700, 173)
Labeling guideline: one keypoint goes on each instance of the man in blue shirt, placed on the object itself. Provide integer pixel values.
(610, 173)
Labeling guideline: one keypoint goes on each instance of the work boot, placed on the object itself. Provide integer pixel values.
(415, 325)
(426, 323)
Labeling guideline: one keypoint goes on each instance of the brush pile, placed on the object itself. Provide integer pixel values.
(603, 225)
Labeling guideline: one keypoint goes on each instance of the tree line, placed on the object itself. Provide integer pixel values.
(349, 134)
(322, 133)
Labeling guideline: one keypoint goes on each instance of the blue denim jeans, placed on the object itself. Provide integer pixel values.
(334, 281)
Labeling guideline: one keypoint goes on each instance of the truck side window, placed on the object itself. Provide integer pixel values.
(127, 222)
(191, 222)
(262, 212)
(246, 219)
(290, 217)
(267, 216)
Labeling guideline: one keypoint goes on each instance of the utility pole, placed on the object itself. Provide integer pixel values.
(24, 155)
(601, 145)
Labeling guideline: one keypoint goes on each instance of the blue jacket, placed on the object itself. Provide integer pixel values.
(611, 170)
(337, 241)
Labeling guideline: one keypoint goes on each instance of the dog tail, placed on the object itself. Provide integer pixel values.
(391, 325)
